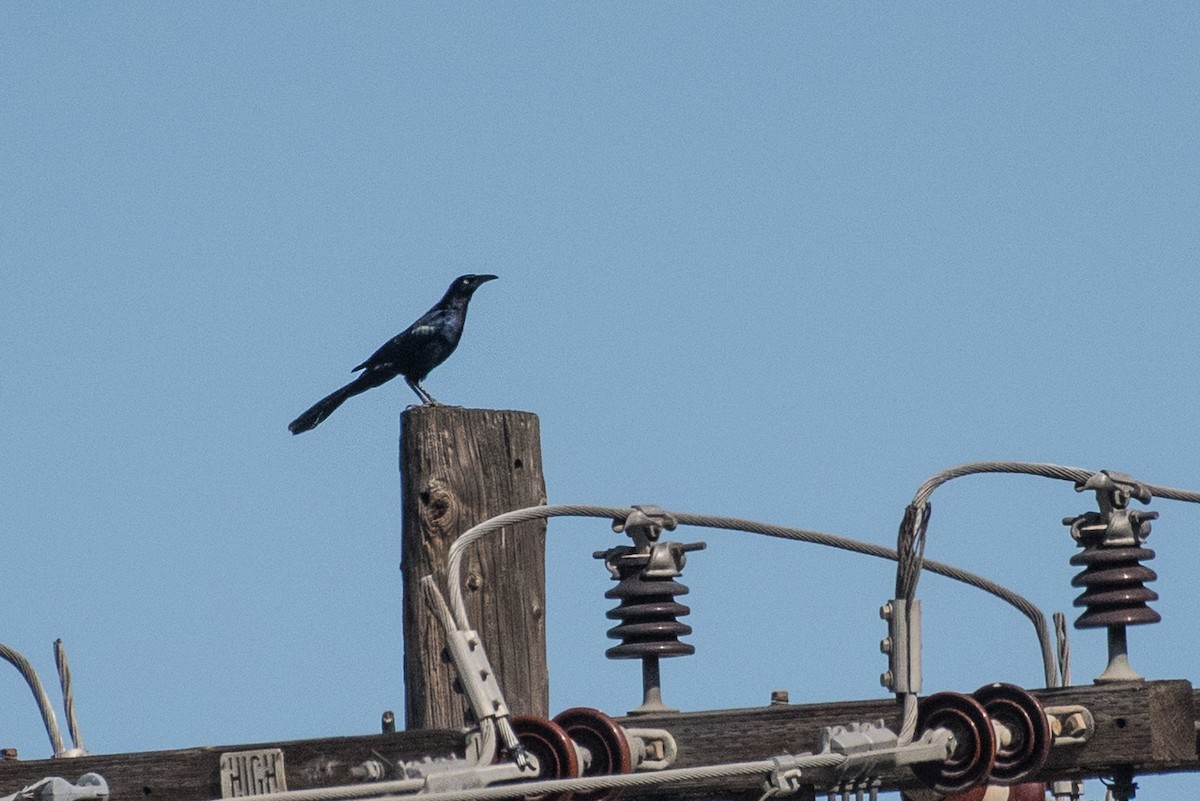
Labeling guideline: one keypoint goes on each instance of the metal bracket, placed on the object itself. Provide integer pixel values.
(870, 747)
(476, 677)
(1071, 724)
(902, 646)
(657, 559)
(452, 773)
(653, 749)
(475, 674)
(89, 787)
(1067, 790)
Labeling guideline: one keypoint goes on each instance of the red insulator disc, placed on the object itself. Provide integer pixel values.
(1019, 712)
(604, 740)
(1034, 791)
(1030, 791)
(970, 764)
(556, 754)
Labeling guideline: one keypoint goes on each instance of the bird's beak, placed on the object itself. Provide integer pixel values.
(480, 279)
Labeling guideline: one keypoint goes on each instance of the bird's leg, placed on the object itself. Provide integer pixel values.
(425, 397)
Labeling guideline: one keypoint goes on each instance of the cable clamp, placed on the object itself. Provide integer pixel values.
(902, 646)
(1115, 525)
(476, 675)
(645, 523)
(657, 560)
(784, 778)
(89, 787)
(867, 746)
(450, 774)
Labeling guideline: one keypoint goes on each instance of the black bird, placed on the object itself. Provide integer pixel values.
(412, 353)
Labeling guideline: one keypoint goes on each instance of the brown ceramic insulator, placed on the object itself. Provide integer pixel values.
(1113, 580)
(648, 613)
(1031, 739)
(974, 753)
(556, 754)
(605, 741)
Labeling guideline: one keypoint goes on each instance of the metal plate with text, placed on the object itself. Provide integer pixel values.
(246, 773)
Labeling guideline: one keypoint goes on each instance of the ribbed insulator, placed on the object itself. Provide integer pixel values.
(647, 613)
(1113, 592)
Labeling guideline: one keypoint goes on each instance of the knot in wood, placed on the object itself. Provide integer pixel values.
(439, 508)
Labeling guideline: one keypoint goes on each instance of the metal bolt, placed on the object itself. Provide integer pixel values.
(1075, 725)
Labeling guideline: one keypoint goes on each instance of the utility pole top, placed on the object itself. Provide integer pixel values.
(458, 467)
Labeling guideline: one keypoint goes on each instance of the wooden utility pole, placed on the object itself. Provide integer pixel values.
(462, 466)
(458, 467)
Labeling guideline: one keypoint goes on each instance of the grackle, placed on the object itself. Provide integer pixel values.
(412, 353)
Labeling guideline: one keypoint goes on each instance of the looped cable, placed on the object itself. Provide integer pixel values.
(39, 694)
(457, 549)
(1083, 480)
(1078, 475)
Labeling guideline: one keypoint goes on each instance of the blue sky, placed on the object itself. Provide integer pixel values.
(779, 261)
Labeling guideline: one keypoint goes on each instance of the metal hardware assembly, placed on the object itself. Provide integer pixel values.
(902, 646)
(645, 572)
(88, 787)
(1113, 577)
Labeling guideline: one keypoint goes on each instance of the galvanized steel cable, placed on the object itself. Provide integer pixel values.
(39, 694)
(916, 519)
(64, 679)
(457, 549)
(1064, 648)
(373, 790)
(406, 788)
(632, 780)
(1044, 469)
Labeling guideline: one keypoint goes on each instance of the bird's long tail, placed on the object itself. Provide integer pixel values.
(326, 405)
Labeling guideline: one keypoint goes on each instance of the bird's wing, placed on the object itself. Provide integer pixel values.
(400, 349)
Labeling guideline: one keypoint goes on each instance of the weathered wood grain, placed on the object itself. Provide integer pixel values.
(194, 774)
(1149, 726)
(458, 468)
